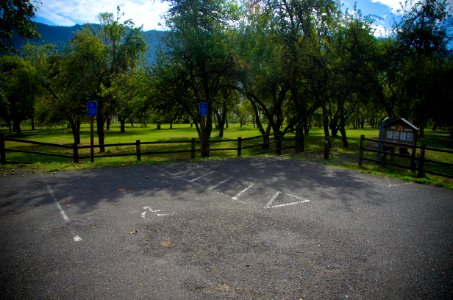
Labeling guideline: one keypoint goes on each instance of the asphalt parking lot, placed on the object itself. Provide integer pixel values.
(254, 228)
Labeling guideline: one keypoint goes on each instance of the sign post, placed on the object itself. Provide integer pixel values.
(203, 111)
(92, 111)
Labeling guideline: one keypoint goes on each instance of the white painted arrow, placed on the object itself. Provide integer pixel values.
(156, 212)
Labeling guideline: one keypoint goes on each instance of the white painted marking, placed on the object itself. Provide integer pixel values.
(288, 204)
(65, 217)
(195, 179)
(242, 192)
(269, 204)
(328, 187)
(62, 212)
(220, 183)
(399, 184)
(184, 171)
(156, 212)
(294, 196)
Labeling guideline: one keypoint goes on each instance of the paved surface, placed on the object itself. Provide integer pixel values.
(259, 228)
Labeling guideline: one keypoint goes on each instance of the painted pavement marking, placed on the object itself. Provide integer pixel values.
(63, 214)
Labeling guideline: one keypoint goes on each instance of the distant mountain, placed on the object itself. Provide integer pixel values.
(60, 36)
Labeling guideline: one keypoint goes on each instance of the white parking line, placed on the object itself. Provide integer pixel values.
(242, 192)
(220, 183)
(65, 217)
(236, 197)
(288, 204)
(62, 212)
(195, 179)
(269, 204)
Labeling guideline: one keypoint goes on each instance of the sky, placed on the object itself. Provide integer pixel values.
(148, 13)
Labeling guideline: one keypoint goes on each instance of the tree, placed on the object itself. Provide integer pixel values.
(123, 46)
(74, 79)
(261, 74)
(91, 69)
(354, 71)
(199, 59)
(19, 85)
(421, 46)
(15, 17)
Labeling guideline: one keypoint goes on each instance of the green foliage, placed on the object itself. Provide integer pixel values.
(15, 17)
(19, 83)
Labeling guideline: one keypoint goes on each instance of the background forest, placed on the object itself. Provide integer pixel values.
(283, 65)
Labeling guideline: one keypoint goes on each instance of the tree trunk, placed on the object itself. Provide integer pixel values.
(325, 121)
(221, 119)
(75, 129)
(342, 129)
(16, 127)
(32, 123)
(122, 125)
(300, 138)
(109, 120)
(158, 126)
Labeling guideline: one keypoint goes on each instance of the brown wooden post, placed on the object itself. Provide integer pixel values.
(413, 164)
(75, 151)
(421, 161)
(239, 146)
(2, 149)
(192, 149)
(362, 138)
(138, 151)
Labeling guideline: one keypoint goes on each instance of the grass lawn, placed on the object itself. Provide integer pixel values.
(314, 146)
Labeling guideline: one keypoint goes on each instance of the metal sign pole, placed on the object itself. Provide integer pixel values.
(92, 111)
(92, 139)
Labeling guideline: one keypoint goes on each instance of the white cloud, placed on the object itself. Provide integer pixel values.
(71, 12)
(394, 5)
(380, 30)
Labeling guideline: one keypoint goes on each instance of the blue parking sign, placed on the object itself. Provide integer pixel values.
(203, 108)
(92, 108)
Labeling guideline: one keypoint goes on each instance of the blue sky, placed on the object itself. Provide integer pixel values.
(148, 12)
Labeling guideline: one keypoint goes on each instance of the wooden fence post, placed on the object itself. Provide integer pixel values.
(362, 138)
(137, 149)
(2, 149)
(239, 146)
(413, 164)
(75, 151)
(421, 161)
(192, 149)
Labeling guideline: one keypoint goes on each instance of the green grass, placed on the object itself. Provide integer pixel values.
(314, 146)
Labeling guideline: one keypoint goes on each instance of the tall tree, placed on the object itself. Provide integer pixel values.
(74, 80)
(124, 45)
(354, 70)
(199, 58)
(421, 39)
(19, 83)
(262, 75)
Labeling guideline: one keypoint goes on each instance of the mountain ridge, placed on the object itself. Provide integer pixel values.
(60, 36)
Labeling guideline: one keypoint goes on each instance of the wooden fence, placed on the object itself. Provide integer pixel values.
(418, 161)
(145, 148)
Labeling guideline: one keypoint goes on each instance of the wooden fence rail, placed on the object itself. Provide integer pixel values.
(139, 150)
(418, 161)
